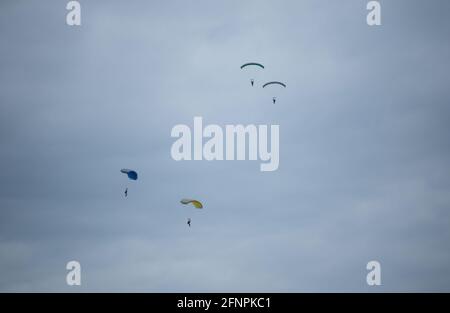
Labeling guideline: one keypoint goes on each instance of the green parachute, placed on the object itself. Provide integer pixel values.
(252, 64)
(274, 99)
(253, 67)
(274, 83)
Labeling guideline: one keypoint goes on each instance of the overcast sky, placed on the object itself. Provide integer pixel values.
(364, 146)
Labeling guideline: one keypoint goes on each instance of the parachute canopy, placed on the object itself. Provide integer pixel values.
(130, 173)
(195, 203)
(252, 64)
(274, 83)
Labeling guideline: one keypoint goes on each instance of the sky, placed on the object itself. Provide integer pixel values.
(364, 156)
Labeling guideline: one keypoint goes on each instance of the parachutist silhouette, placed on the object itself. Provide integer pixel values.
(274, 99)
(126, 192)
(189, 222)
(252, 81)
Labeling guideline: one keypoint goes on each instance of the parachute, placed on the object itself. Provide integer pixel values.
(195, 203)
(130, 173)
(274, 83)
(253, 70)
(252, 64)
(274, 99)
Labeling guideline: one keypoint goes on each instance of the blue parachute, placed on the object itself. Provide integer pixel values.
(130, 173)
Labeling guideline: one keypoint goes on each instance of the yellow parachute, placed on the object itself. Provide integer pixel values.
(195, 203)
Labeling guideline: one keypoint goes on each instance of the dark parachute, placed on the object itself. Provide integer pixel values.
(274, 99)
(130, 173)
(252, 64)
(274, 83)
(251, 68)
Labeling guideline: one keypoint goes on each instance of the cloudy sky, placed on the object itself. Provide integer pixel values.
(364, 146)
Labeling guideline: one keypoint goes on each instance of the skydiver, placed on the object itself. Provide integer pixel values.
(274, 99)
(252, 81)
(126, 192)
(189, 222)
